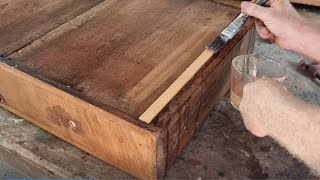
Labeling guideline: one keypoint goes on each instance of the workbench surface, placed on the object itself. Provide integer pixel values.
(222, 148)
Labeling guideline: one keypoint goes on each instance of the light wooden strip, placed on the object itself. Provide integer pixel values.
(175, 87)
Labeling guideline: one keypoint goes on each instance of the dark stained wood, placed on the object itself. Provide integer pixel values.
(130, 53)
(25, 21)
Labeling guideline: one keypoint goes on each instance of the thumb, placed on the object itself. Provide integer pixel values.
(255, 10)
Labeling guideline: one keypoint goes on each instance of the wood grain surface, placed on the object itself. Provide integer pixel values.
(23, 21)
(130, 52)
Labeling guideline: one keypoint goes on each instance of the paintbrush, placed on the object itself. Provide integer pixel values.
(233, 28)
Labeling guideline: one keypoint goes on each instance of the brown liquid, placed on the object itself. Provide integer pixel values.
(236, 96)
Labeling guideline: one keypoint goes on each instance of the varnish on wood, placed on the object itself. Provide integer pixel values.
(128, 81)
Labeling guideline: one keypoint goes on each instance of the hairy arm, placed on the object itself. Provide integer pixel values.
(269, 109)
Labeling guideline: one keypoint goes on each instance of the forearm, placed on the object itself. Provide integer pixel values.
(296, 125)
(308, 40)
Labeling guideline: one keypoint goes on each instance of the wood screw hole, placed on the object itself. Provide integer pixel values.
(72, 124)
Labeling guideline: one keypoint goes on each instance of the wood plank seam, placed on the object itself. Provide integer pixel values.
(63, 28)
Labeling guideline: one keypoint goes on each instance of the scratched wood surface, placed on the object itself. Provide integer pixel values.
(130, 52)
(23, 21)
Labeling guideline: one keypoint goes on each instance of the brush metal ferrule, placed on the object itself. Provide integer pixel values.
(235, 26)
(229, 32)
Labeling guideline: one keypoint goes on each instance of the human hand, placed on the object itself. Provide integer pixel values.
(279, 22)
(259, 99)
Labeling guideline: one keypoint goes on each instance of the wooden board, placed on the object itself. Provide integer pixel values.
(25, 21)
(89, 80)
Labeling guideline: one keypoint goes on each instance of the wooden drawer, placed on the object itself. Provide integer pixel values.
(129, 82)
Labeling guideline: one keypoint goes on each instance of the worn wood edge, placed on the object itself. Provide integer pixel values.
(161, 154)
(175, 87)
(71, 99)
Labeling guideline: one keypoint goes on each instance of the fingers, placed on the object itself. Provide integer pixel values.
(263, 30)
(255, 10)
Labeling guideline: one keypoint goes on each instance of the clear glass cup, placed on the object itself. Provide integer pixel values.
(248, 68)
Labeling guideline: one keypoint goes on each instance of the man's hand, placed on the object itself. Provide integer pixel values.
(259, 99)
(280, 22)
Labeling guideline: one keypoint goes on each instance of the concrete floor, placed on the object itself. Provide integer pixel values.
(7, 171)
(222, 149)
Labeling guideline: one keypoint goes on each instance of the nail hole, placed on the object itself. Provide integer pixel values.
(72, 124)
(2, 101)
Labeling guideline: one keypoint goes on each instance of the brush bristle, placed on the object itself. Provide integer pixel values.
(217, 44)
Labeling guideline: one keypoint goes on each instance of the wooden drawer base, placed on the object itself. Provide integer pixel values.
(144, 152)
